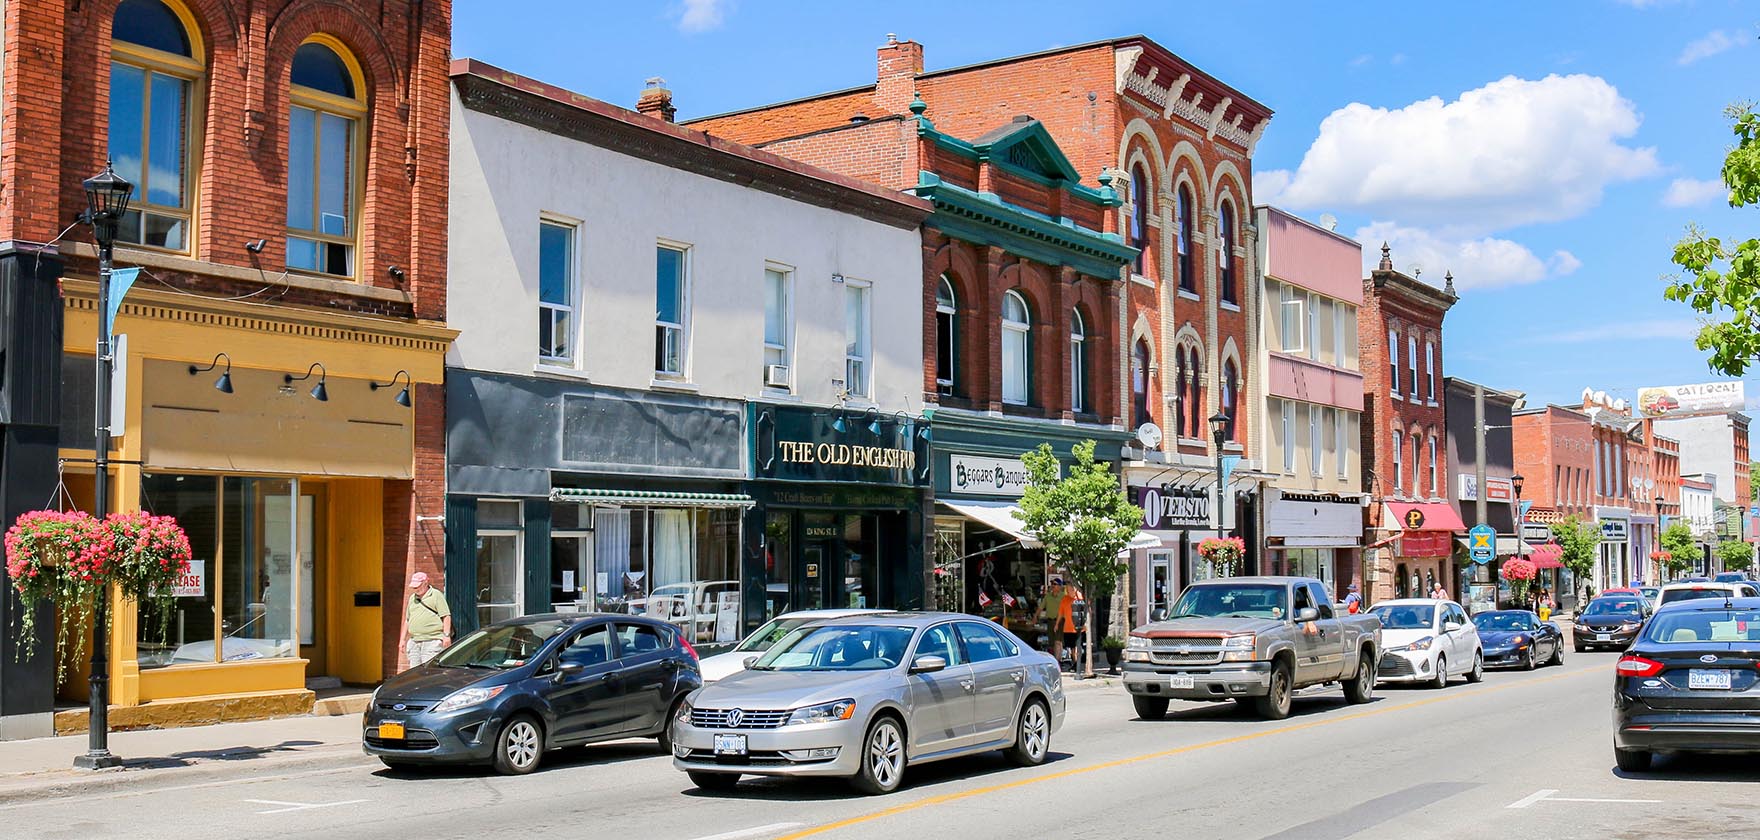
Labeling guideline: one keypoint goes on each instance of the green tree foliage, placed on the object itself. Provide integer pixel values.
(1084, 520)
(1735, 555)
(1580, 541)
(1722, 279)
(1677, 540)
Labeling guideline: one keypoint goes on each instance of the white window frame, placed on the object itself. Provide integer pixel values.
(683, 326)
(1291, 318)
(863, 357)
(1434, 473)
(1341, 315)
(1025, 331)
(569, 310)
(786, 348)
(1316, 446)
(952, 313)
(1289, 436)
(1393, 361)
(1312, 339)
(517, 532)
(1078, 350)
(1430, 371)
(1399, 453)
(1344, 421)
(1412, 359)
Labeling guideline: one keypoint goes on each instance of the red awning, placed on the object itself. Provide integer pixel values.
(1546, 556)
(1425, 516)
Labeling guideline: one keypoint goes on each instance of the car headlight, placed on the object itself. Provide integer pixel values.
(824, 712)
(1629, 625)
(1521, 641)
(683, 714)
(1137, 643)
(1421, 644)
(1238, 642)
(467, 697)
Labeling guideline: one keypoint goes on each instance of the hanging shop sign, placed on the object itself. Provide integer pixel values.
(1496, 489)
(1691, 400)
(1613, 530)
(1168, 508)
(1425, 544)
(972, 475)
(792, 443)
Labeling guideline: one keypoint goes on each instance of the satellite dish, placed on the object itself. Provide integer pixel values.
(1149, 435)
(1417, 269)
(1329, 221)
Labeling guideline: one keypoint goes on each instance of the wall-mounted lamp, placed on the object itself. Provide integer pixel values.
(256, 246)
(873, 421)
(837, 278)
(403, 395)
(318, 392)
(224, 383)
(395, 272)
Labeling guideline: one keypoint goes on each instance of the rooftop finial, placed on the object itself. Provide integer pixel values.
(1448, 282)
(918, 106)
(1386, 258)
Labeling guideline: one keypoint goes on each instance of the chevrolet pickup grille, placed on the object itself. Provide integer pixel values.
(1185, 652)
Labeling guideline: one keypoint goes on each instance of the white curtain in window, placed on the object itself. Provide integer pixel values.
(1014, 365)
(672, 548)
(610, 550)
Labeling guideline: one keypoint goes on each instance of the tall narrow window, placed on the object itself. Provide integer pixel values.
(1412, 362)
(323, 135)
(1140, 202)
(1290, 302)
(1344, 336)
(1188, 276)
(1398, 461)
(1393, 363)
(1140, 384)
(1016, 329)
(946, 336)
(1195, 396)
(776, 328)
(1181, 374)
(1078, 362)
(1231, 400)
(1287, 426)
(1316, 443)
(555, 291)
(855, 332)
(1418, 458)
(1345, 421)
(1315, 316)
(1430, 371)
(1225, 254)
(1435, 489)
(155, 65)
(671, 309)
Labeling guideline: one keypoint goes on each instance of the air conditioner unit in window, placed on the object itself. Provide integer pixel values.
(776, 376)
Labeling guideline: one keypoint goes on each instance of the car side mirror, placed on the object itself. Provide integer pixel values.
(1306, 614)
(1158, 614)
(569, 669)
(749, 662)
(928, 664)
(1451, 626)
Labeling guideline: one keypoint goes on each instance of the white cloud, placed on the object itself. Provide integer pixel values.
(1397, 59)
(1668, 328)
(1477, 263)
(1718, 41)
(1512, 152)
(1646, 4)
(1361, 60)
(1687, 192)
(702, 15)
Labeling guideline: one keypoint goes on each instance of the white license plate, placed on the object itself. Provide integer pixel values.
(1181, 681)
(1708, 679)
(730, 745)
(1603, 637)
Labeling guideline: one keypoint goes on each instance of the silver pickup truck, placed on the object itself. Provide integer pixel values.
(1253, 640)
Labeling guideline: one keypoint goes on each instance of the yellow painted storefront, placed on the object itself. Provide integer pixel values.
(329, 462)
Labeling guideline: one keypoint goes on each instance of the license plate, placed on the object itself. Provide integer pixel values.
(730, 745)
(1603, 637)
(1708, 679)
(1181, 681)
(391, 729)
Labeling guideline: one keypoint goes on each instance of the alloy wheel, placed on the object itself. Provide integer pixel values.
(886, 754)
(1035, 731)
(522, 744)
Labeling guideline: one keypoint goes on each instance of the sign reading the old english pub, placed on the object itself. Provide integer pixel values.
(795, 443)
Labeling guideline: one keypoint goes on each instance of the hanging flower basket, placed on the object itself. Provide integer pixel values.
(147, 555)
(59, 557)
(1519, 573)
(1661, 556)
(1223, 553)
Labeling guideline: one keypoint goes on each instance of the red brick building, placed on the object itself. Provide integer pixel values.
(289, 159)
(1405, 461)
(1555, 453)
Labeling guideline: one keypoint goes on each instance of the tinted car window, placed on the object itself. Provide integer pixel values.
(1503, 620)
(591, 647)
(637, 639)
(500, 645)
(984, 643)
(1405, 616)
(1614, 606)
(1688, 626)
(939, 641)
(1241, 600)
(1320, 600)
(1674, 595)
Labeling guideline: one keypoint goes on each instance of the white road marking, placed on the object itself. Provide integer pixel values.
(756, 831)
(300, 806)
(1530, 799)
(1622, 801)
(1547, 796)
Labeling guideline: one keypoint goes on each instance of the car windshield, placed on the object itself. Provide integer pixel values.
(771, 633)
(1650, 591)
(1231, 601)
(1405, 616)
(838, 647)
(1503, 620)
(1686, 626)
(1696, 593)
(500, 646)
(1613, 606)
(1730, 577)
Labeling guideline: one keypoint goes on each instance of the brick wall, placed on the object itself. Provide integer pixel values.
(1554, 453)
(1389, 305)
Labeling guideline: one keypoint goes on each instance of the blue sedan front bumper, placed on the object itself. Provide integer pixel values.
(463, 736)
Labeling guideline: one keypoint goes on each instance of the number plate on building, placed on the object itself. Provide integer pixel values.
(393, 730)
(730, 745)
(1181, 681)
(1708, 679)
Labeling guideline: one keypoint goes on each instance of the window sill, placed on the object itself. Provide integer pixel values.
(1141, 280)
(154, 258)
(1231, 307)
(560, 372)
(1231, 446)
(678, 385)
(1188, 294)
(1186, 441)
(780, 395)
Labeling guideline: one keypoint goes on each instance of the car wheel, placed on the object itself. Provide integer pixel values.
(1275, 704)
(519, 746)
(713, 781)
(1149, 708)
(1528, 659)
(1361, 688)
(1557, 654)
(882, 769)
(1441, 678)
(665, 735)
(1032, 735)
(1631, 761)
(1478, 672)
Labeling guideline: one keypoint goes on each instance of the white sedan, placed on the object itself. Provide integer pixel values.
(724, 665)
(1427, 640)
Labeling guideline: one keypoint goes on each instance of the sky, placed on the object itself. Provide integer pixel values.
(1549, 154)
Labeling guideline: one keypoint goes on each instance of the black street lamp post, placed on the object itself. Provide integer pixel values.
(1219, 432)
(107, 197)
(1515, 483)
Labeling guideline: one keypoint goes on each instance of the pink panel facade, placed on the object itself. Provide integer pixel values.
(1312, 257)
(1296, 378)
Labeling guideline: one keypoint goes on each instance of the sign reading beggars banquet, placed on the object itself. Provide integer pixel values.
(801, 444)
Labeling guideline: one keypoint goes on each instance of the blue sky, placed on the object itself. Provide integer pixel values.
(1549, 154)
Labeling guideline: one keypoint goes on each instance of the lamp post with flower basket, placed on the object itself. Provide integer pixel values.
(1519, 573)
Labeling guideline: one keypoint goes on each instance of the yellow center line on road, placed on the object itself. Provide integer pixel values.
(1122, 762)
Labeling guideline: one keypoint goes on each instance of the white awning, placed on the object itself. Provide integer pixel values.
(1005, 517)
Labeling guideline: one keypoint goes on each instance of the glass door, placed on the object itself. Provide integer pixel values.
(860, 568)
(1160, 582)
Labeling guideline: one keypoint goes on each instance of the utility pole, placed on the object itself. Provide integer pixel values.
(1480, 516)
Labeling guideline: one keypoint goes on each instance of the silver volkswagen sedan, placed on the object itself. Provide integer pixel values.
(864, 696)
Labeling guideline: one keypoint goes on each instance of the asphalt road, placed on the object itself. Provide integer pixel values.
(1522, 754)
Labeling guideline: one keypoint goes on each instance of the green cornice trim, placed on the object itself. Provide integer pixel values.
(1035, 132)
(986, 220)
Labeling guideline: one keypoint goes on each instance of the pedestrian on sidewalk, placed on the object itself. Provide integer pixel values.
(1437, 592)
(1353, 603)
(428, 627)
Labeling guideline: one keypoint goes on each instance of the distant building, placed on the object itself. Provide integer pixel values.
(1478, 582)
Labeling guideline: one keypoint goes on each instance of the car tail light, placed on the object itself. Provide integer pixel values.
(688, 650)
(1637, 666)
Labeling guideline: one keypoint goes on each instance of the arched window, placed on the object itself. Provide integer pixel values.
(1188, 276)
(155, 67)
(1181, 374)
(1140, 384)
(1231, 386)
(1140, 202)
(323, 153)
(1016, 327)
(1225, 254)
(1078, 362)
(1195, 394)
(946, 336)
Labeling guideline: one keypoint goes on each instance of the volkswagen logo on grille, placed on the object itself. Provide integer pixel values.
(398, 707)
(734, 716)
(1709, 657)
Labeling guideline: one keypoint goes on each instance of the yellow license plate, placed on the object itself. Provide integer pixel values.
(391, 730)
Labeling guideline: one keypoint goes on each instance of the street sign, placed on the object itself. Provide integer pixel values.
(1482, 543)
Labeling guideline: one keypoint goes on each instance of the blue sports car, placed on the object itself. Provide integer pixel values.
(1519, 638)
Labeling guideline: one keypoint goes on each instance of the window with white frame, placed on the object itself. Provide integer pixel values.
(1316, 444)
(778, 319)
(1188, 274)
(500, 561)
(1290, 302)
(1393, 362)
(1078, 362)
(1329, 439)
(1430, 371)
(1288, 427)
(1225, 254)
(1398, 461)
(1344, 336)
(1435, 489)
(1313, 331)
(555, 291)
(1417, 458)
(1412, 362)
(855, 332)
(671, 309)
(1320, 328)
(1016, 328)
(946, 336)
(1346, 424)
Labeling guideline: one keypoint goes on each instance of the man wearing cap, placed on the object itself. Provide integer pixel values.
(1353, 603)
(428, 629)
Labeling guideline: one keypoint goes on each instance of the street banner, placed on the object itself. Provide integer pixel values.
(121, 280)
(1691, 400)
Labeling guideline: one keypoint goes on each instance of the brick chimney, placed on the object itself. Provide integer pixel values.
(896, 83)
(656, 100)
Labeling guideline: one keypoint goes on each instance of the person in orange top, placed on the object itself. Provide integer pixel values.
(1056, 610)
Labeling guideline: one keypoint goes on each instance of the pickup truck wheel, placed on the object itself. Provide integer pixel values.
(1149, 708)
(1361, 688)
(1441, 678)
(1275, 704)
(1478, 672)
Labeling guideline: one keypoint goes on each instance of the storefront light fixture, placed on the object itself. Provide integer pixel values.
(1515, 481)
(403, 395)
(107, 197)
(224, 383)
(318, 391)
(1219, 427)
(873, 415)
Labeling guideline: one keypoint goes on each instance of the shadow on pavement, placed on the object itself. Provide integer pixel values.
(187, 758)
(1228, 711)
(555, 760)
(1696, 768)
(916, 777)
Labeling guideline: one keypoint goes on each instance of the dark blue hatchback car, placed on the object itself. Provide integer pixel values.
(508, 692)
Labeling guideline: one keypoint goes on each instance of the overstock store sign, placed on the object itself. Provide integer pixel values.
(1166, 508)
(975, 476)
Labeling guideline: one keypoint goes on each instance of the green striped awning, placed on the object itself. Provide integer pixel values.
(649, 497)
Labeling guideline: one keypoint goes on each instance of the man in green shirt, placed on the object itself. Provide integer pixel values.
(428, 629)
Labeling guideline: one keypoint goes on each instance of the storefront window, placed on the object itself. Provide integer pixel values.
(257, 573)
(571, 558)
(677, 564)
(860, 571)
(185, 634)
(778, 562)
(1311, 562)
(948, 576)
(498, 561)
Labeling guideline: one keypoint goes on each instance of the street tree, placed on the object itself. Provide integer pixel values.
(1677, 540)
(1084, 520)
(1580, 541)
(1722, 279)
(1735, 555)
